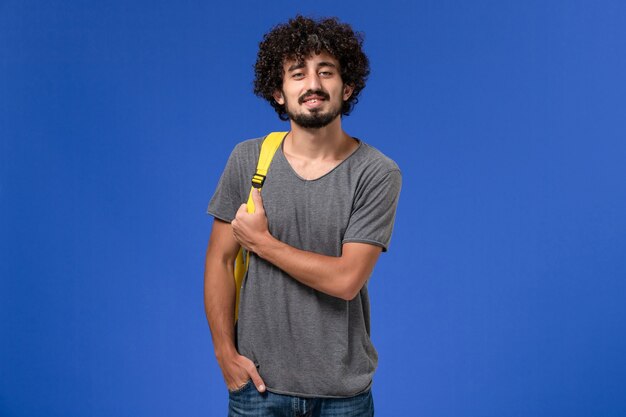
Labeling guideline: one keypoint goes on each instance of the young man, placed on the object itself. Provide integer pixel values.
(302, 343)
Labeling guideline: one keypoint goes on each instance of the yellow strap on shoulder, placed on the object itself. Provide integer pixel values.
(268, 149)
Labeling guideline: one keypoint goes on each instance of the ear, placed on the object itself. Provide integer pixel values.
(278, 97)
(347, 91)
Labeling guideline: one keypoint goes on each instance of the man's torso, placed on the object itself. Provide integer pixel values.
(305, 342)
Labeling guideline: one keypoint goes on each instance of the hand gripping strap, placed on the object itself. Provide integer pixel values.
(268, 149)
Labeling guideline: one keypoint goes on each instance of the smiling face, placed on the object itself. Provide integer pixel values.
(313, 91)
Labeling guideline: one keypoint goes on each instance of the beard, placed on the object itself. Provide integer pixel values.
(316, 118)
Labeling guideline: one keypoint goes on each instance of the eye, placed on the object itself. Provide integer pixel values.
(326, 73)
(297, 75)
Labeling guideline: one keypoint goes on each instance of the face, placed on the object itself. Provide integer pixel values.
(313, 91)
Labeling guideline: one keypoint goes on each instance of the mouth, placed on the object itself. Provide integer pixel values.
(312, 101)
(313, 98)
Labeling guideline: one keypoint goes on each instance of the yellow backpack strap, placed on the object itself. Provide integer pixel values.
(268, 149)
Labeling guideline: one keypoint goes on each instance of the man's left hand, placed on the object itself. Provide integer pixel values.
(250, 228)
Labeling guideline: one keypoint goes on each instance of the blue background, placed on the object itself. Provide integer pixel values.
(503, 293)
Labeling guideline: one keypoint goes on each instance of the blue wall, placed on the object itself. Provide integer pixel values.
(504, 290)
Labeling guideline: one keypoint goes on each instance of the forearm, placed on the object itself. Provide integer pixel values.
(329, 274)
(340, 276)
(219, 304)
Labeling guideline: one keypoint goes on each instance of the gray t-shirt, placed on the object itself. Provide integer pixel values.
(305, 342)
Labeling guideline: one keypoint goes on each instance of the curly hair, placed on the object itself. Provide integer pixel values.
(299, 38)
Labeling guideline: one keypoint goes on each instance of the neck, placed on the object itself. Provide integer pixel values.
(328, 142)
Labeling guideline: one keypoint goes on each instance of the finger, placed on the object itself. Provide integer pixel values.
(236, 236)
(242, 209)
(235, 387)
(258, 201)
(255, 377)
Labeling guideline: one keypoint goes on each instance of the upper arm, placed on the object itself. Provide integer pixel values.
(223, 247)
(374, 209)
(359, 260)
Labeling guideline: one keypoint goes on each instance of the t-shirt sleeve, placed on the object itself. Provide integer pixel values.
(374, 211)
(228, 195)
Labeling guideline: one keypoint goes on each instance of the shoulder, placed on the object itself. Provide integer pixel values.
(248, 148)
(374, 163)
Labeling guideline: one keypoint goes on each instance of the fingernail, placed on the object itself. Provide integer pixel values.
(261, 387)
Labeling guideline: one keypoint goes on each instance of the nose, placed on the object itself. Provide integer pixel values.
(313, 82)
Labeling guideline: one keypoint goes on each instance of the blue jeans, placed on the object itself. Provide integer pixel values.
(248, 402)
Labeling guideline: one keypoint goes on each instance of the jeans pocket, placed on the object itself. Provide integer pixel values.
(241, 388)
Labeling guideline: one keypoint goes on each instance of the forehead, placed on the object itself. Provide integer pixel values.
(314, 59)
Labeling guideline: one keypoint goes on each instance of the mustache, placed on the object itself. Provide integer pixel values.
(310, 93)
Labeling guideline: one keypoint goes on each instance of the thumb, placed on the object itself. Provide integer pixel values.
(256, 378)
(258, 201)
(242, 209)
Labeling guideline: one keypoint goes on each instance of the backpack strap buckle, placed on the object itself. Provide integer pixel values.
(258, 180)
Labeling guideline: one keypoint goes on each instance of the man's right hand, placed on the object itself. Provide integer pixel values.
(238, 370)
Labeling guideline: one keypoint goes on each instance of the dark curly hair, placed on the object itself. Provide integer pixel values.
(299, 38)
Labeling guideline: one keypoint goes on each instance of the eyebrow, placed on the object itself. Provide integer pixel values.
(299, 65)
(326, 64)
(296, 66)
